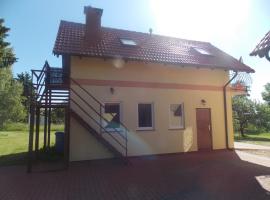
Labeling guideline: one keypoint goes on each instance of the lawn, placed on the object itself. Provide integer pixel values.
(12, 142)
(258, 138)
(14, 145)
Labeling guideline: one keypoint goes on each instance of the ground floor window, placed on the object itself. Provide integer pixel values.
(145, 116)
(176, 116)
(112, 115)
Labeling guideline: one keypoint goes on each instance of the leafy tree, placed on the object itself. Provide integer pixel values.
(25, 79)
(243, 113)
(266, 93)
(262, 121)
(7, 57)
(11, 108)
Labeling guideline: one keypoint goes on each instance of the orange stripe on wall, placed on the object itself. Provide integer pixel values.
(116, 83)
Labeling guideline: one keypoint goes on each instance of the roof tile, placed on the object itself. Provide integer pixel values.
(262, 47)
(150, 48)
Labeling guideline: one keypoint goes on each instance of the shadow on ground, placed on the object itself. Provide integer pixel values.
(13, 159)
(205, 175)
(48, 155)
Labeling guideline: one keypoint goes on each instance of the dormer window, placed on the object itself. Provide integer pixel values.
(202, 51)
(128, 42)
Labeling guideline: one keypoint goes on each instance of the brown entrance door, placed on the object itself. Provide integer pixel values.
(204, 133)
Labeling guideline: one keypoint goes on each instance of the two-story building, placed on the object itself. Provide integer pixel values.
(134, 94)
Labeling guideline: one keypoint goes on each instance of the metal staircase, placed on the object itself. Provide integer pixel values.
(88, 111)
(52, 88)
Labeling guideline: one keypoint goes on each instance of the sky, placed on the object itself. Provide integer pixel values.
(235, 26)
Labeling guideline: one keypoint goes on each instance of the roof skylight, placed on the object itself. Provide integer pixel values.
(129, 42)
(202, 51)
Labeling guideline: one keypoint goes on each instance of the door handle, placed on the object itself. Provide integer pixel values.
(209, 128)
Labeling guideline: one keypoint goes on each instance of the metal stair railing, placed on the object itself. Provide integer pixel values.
(98, 112)
(41, 80)
(97, 122)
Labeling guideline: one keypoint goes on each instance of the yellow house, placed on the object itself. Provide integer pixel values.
(134, 94)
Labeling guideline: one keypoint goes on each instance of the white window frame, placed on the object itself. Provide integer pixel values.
(128, 42)
(203, 51)
(183, 113)
(152, 113)
(103, 112)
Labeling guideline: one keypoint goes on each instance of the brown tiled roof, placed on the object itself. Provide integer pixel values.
(263, 46)
(150, 48)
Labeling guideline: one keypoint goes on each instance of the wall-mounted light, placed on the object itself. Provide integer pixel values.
(203, 102)
(112, 90)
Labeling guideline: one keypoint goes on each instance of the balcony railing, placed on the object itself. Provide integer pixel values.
(239, 86)
(55, 76)
(48, 82)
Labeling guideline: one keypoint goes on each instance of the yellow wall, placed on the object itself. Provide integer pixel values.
(161, 139)
(88, 150)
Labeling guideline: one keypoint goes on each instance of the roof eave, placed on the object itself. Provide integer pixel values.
(248, 70)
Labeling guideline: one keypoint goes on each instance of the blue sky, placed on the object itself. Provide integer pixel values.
(234, 26)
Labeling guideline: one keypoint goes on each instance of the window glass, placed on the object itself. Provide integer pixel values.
(176, 116)
(145, 117)
(128, 42)
(112, 115)
(202, 51)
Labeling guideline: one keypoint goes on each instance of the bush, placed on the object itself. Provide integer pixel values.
(50, 154)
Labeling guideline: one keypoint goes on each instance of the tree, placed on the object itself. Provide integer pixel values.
(262, 119)
(25, 79)
(11, 108)
(7, 57)
(266, 93)
(243, 113)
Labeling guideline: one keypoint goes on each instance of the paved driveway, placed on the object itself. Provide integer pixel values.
(243, 146)
(209, 175)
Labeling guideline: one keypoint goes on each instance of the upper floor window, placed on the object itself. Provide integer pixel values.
(128, 42)
(202, 51)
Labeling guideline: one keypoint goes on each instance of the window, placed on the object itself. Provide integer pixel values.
(145, 116)
(202, 51)
(112, 115)
(128, 42)
(176, 116)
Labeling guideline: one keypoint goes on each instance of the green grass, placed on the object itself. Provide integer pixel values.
(24, 127)
(12, 142)
(254, 138)
(14, 145)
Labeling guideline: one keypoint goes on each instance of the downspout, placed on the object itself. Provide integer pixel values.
(225, 108)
